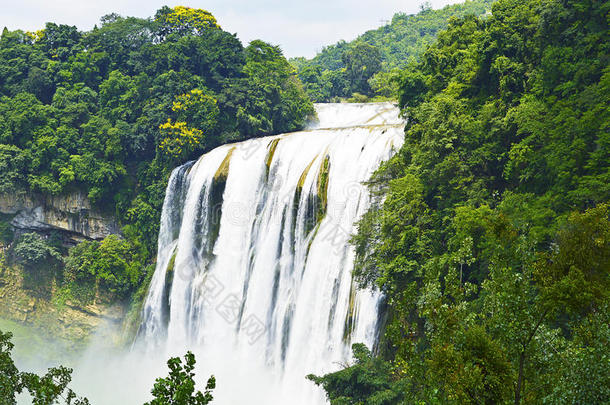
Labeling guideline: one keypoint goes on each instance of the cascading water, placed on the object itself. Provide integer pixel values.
(254, 266)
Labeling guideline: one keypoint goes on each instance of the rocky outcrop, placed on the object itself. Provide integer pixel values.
(71, 213)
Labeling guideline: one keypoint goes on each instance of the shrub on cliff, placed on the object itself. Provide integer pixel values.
(34, 251)
(41, 260)
(6, 233)
(108, 270)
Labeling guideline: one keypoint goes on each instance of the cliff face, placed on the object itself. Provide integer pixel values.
(41, 305)
(71, 213)
(43, 309)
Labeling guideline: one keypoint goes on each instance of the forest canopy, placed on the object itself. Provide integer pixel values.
(368, 67)
(112, 110)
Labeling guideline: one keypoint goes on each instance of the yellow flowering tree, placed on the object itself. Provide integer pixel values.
(196, 113)
(184, 21)
(179, 139)
(35, 36)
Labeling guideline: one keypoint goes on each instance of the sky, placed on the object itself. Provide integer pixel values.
(301, 28)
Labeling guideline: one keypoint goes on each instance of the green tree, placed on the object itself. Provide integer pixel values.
(88, 111)
(401, 42)
(362, 61)
(275, 101)
(369, 381)
(178, 388)
(10, 383)
(109, 269)
(51, 388)
(385, 84)
(182, 20)
(197, 114)
(12, 167)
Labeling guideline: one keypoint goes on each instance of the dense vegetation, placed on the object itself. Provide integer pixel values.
(111, 111)
(369, 65)
(491, 235)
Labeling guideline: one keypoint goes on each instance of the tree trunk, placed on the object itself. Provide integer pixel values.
(519, 378)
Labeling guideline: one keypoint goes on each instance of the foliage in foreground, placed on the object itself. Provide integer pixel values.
(52, 388)
(178, 388)
(491, 235)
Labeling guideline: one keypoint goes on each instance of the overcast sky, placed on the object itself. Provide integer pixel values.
(301, 28)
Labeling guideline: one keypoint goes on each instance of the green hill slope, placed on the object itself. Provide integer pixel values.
(344, 68)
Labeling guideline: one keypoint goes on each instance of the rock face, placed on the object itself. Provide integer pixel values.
(71, 213)
(39, 305)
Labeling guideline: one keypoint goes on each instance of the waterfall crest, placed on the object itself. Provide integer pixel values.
(254, 266)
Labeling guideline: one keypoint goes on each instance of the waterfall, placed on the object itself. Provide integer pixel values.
(254, 263)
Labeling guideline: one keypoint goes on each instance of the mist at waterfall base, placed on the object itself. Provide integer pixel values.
(254, 266)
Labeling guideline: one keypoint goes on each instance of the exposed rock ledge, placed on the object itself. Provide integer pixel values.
(71, 213)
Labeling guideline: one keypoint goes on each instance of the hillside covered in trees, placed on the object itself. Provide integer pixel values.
(369, 65)
(111, 111)
(491, 235)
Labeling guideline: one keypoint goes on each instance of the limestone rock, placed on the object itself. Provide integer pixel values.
(71, 213)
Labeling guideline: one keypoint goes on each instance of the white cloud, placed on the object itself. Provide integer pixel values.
(300, 27)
